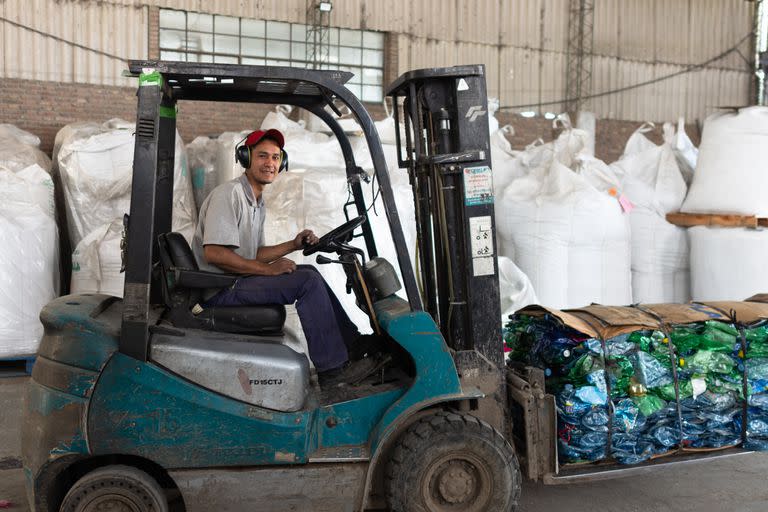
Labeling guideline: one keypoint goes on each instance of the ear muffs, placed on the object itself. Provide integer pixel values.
(243, 156)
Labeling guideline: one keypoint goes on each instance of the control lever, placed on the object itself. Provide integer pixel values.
(324, 260)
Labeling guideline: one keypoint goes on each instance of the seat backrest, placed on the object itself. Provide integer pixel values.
(175, 255)
(179, 251)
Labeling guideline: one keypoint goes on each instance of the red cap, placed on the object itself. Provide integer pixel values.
(256, 137)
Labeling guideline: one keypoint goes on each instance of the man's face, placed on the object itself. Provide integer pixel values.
(265, 162)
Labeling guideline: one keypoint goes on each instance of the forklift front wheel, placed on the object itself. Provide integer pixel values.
(119, 488)
(452, 462)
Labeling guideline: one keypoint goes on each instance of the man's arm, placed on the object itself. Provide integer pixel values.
(227, 259)
(270, 253)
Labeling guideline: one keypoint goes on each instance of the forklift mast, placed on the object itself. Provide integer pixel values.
(447, 154)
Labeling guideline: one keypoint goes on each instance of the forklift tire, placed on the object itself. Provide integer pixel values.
(454, 462)
(115, 488)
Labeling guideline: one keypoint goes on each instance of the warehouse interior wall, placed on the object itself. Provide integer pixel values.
(63, 60)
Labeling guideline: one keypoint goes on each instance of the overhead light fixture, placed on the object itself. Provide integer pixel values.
(528, 113)
(549, 115)
(324, 6)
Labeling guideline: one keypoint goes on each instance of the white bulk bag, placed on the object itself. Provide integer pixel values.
(686, 153)
(29, 257)
(493, 107)
(74, 131)
(730, 173)
(652, 181)
(515, 289)
(227, 167)
(728, 263)
(16, 155)
(96, 171)
(505, 162)
(96, 262)
(96, 174)
(184, 211)
(387, 133)
(569, 237)
(528, 166)
(22, 136)
(201, 156)
(311, 199)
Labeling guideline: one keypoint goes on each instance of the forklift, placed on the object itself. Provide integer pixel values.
(152, 403)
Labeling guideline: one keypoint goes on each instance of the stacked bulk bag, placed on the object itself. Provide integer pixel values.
(201, 156)
(507, 164)
(685, 152)
(563, 228)
(96, 172)
(730, 177)
(308, 149)
(95, 165)
(227, 167)
(727, 263)
(730, 173)
(515, 289)
(653, 182)
(19, 149)
(96, 261)
(29, 255)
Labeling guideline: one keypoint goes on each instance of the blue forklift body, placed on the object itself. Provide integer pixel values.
(86, 400)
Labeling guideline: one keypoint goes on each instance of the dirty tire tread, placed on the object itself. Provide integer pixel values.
(123, 478)
(410, 448)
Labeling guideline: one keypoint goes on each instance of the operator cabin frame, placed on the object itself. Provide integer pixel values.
(161, 86)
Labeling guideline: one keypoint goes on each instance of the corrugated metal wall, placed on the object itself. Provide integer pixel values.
(115, 31)
(523, 44)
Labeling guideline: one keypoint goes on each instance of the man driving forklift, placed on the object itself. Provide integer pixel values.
(230, 238)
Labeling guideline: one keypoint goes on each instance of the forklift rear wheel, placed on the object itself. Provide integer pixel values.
(115, 488)
(452, 462)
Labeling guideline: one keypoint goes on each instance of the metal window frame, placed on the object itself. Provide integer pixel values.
(211, 56)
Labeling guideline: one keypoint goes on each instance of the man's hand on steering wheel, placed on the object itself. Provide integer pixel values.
(306, 238)
(330, 241)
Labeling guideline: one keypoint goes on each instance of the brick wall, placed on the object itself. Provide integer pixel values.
(43, 108)
(153, 33)
(610, 137)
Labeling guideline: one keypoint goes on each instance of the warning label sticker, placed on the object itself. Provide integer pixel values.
(482, 266)
(478, 185)
(481, 236)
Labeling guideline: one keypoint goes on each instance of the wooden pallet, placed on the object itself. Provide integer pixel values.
(688, 220)
(16, 366)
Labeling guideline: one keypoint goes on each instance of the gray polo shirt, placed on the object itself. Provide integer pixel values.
(232, 217)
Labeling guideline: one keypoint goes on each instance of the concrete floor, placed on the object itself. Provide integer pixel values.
(734, 485)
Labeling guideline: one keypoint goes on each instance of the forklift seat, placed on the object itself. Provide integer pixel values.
(183, 285)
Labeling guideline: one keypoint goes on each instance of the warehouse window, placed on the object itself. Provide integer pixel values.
(195, 37)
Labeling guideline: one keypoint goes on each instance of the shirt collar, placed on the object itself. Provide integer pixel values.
(249, 192)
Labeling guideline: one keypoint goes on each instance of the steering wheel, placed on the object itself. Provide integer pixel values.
(330, 241)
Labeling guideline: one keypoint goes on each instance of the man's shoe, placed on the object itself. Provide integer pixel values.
(365, 345)
(349, 373)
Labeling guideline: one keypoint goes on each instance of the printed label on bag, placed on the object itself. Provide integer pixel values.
(626, 204)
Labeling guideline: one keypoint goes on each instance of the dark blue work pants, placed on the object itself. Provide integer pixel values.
(325, 323)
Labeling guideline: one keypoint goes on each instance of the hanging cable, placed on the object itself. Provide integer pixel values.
(62, 40)
(688, 69)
